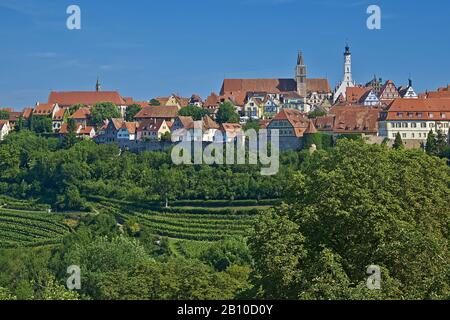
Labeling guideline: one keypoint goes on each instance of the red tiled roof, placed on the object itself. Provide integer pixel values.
(355, 119)
(233, 86)
(59, 116)
(44, 109)
(158, 112)
(3, 123)
(27, 112)
(88, 98)
(297, 119)
(130, 126)
(81, 114)
(419, 109)
(150, 125)
(14, 116)
(354, 94)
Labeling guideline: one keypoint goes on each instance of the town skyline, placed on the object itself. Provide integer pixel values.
(38, 62)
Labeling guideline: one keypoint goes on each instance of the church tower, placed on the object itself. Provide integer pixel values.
(348, 78)
(348, 65)
(98, 86)
(300, 76)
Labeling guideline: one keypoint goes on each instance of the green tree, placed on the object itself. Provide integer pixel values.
(41, 124)
(75, 108)
(195, 112)
(155, 102)
(20, 124)
(132, 111)
(103, 111)
(337, 221)
(252, 124)
(316, 114)
(441, 142)
(4, 115)
(431, 147)
(398, 142)
(227, 113)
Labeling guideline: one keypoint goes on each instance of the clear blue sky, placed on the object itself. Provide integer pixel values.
(148, 48)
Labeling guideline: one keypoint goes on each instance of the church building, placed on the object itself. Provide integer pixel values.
(347, 82)
(318, 89)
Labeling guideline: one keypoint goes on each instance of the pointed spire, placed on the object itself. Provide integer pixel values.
(347, 49)
(98, 86)
(300, 61)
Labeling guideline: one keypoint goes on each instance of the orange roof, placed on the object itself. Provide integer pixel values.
(355, 119)
(88, 98)
(419, 109)
(27, 112)
(158, 112)
(44, 109)
(81, 114)
(297, 119)
(130, 126)
(354, 94)
(151, 125)
(59, 116)
(232, 86)
(3, 123)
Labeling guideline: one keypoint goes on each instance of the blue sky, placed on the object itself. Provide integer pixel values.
(149, 48)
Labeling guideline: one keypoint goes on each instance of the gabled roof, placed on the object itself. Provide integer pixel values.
(89, 98)
(209, 123)
(3, 123)
(81, 114)
(59, 116)
(131, 127)
(158, 112)
(44, 109)
(230, 127)
(186, 122)
(297, 119)
(272, 85)
(355, 119)
(27, 113)
(419, 109)
(151, 125)
(14, 116)
(354, 94)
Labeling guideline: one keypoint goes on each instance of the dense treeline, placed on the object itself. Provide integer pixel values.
(36, 167)
(344, 209)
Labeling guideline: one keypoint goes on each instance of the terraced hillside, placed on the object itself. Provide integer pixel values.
(29, 228)
(188, 222)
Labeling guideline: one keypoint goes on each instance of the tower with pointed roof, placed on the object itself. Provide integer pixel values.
(348, 78)
(300, 76)
(98, 86)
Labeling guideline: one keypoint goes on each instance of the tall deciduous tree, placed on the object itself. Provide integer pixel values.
(398, 142)
(351, 207)
(431, 146)
(132, 111)
(195, 112)
(103, 111)
(227, 113)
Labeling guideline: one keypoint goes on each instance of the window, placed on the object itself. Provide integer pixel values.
(420, 114)
(431, 115)
(413, 125)
(423, 125)
(443, 115)
(413, 135)
(400, 114)
(404, 135)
